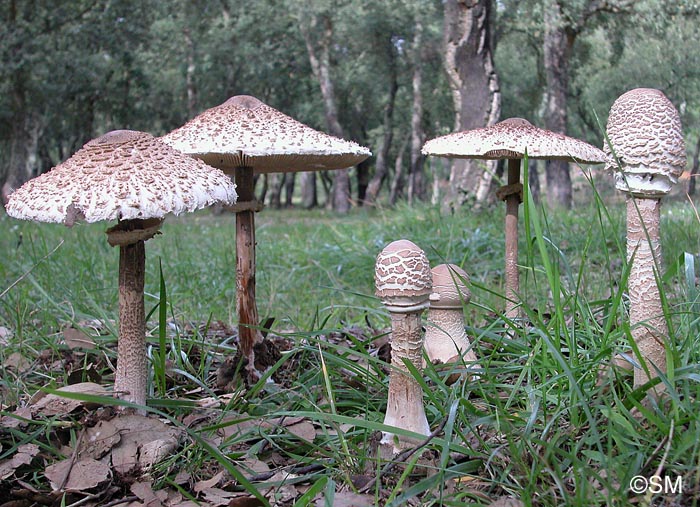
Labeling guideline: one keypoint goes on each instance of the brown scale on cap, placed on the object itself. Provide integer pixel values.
(402, 269)
(644, 129)
(245, 132)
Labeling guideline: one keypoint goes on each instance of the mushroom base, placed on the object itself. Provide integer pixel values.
(445, 337)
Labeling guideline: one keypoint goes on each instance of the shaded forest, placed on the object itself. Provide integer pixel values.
(388, 74)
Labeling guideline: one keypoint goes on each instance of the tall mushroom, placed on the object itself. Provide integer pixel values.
(647, 154)
(511, 139)
(243, 137)
(403, 283)
(446, 339)
(131, 177)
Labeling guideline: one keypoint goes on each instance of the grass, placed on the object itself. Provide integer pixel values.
(539, 424)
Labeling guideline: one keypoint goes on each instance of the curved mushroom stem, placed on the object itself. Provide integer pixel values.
(512, 277)
(405, 400)
(132, 373)
(246, 306)
(648, 324)
(446, 338)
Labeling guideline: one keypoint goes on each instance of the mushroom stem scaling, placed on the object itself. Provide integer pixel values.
(404, 283)
(131, 375)
(649, 326)
(512, 276)
(247, 309)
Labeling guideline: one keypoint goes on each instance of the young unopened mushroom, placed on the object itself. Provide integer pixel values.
(647, 155)
(131, 177)
(403, 282)
(511, 139)
(446, 339)
(243, 137)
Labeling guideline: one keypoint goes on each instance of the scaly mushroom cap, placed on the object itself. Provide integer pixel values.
(122, 175)
(402, 276)
(511, 138)
(644, 129)
(449, 287)
(245, 132)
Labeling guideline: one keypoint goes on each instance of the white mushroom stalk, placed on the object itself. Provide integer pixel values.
(243, 137)
(510, 140)
(646, 139)
(446, 339)
(403, 283)
(131, 177)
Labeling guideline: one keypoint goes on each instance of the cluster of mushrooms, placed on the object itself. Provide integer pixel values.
(137, 179)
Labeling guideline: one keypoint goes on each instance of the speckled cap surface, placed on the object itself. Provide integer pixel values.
(122, 175)
(644, 129)
(402, 274)
(511, 138)
(449, 287)
(245, 132)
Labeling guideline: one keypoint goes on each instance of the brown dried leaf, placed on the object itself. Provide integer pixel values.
(99, 440)
(82, 475)
(144, 442)
(144, 490)
(54, 404)
(17, 362)
(7, 421)
(24, 455)
(303, 429)
(210, 483)
(349, 499)
(77, 339)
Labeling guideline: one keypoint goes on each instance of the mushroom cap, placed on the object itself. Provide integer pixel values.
(402, 276)
(644, 129)
(122, 175)
(245, 132)
(511, 138)
(449, 287)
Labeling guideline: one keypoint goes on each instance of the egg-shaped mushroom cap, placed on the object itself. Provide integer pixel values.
(511, 139)
(245, 132)
(122, 175)
(402, 275)
(644, 130)
(449, 287)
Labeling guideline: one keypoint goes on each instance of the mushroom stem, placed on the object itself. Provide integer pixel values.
(405, 400)
(446, 339)
(648, 325)
(512, 277)
(132, 373)
(245, 268)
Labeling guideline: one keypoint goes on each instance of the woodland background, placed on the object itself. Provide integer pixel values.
(387, 73)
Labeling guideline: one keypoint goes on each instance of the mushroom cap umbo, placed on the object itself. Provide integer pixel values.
(512, 138)
(644, 130)
(402, 276)
(122, 175)
(449, 287)
(245, 132)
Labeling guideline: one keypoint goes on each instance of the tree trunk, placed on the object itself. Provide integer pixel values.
(319, 58)
(474, 83)
(558, 42)
(416, 182)
(381, 164)
(189, 74)
(694, 169)
(397, 185)
(275, 199)
(309, 196)
(289, 183)
(362, 180)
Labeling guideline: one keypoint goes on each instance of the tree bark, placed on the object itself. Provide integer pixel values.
(319, 58)
(694, 169)
(309, 196)
(475, 89)
(416, 178)
(558, 42)
(381, 165)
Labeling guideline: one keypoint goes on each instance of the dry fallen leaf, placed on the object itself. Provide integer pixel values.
(144, 442)
(348, 499)
(24, 455)
(55, 404)
(81, 475)
(77, 339)
(99, 440)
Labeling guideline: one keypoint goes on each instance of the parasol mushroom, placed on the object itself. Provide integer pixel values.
(131, 177)
(446, 339)
(243, 137)
(511, 139)
(403, 282)
(647, 156)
